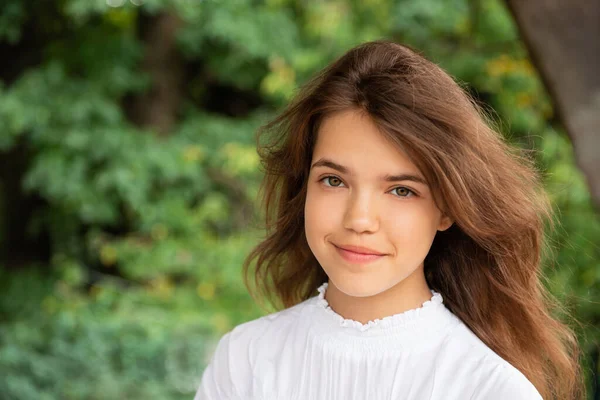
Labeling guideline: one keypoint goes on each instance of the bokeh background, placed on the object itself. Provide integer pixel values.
(129, 172)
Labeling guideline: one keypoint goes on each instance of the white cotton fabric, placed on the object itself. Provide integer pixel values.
(309, 352)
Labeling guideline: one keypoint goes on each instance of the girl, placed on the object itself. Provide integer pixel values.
(404, 244)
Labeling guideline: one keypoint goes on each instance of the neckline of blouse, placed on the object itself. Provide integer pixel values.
(403, 319)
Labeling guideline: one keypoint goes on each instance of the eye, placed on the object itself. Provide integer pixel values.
(403, 191)
(334, 181)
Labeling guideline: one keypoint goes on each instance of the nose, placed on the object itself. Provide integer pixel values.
(361, 214)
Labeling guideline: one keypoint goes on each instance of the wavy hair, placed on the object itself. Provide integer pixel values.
(487, 265)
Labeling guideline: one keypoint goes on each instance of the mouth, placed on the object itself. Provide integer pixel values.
(357, 258)
(359, 249)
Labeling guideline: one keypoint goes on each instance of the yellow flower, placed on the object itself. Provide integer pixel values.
(282, 78)
(193, 154)
(524, 99)
(108, 255)
(206, 290)
(162, 287)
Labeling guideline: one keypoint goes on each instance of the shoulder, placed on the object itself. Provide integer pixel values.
(489, 376)
(505, 382)
(252, 342)
(264, 335)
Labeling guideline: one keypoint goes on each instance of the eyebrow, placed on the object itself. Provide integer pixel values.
(324, 162)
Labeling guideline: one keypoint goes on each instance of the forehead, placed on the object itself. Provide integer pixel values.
(351, 138)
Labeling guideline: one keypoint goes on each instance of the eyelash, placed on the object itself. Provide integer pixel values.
(412, 192)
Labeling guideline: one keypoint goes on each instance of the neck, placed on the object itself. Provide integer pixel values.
(408, 294)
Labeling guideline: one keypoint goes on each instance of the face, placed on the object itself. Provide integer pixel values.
(363, 191)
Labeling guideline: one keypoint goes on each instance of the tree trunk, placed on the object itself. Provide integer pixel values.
(563, 39)
(158, 107)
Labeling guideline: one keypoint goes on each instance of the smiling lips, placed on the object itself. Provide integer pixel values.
(358, 255)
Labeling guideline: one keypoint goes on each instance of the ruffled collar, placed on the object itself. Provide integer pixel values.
(404, 319)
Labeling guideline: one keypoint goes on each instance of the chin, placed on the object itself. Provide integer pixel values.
(361, 287)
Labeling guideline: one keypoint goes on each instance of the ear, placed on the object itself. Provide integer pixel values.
(445, 223)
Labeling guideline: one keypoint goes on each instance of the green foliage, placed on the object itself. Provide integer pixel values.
(11, 18)
(148, 231)
(115, 344)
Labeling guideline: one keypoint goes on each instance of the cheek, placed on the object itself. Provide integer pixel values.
(313, 224)
(413, 226)
(320, 212)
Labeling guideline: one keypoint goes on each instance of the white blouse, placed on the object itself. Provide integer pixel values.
(309, 352)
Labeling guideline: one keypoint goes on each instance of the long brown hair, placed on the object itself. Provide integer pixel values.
(487, 265)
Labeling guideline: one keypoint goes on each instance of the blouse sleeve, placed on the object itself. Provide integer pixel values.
(507, 383)
(216, 382)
